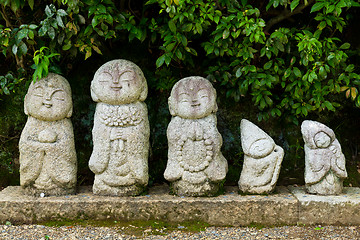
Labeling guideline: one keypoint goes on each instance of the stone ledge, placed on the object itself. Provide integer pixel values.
(228, 209)
(288, 206)
(342, 209)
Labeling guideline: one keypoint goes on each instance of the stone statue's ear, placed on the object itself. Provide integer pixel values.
(25, 104)
(93, 95)
(69, 113)
(171, 106)
(215, 107)
(144, 93)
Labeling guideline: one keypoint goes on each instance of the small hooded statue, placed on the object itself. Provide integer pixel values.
(195, 164)
(262, 160)
(324, 160)
(47, 151)
(121, 130)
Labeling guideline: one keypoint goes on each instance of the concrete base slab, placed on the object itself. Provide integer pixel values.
(341, 209)
(230, 209)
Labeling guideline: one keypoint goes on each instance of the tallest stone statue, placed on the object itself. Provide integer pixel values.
(121, 130)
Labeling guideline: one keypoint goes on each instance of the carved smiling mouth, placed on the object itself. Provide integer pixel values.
(115, 88)
(195, 105)
(48, 105)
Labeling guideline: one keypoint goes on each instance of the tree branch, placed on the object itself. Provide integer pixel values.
(3, 14)
(285, 14)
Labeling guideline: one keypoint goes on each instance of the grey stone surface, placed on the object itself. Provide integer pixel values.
(262, 160)
(228, 209)
(121, 129)
(324, 160)
(195, 164)
(47, 151)
(342, 209)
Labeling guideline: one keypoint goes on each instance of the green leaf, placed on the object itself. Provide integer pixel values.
(172, 26)
(297, 72)
(287, 73)
(33, 26)
(42, 31)
(238, 72)
(226, 34)
(95, 21)
(268, 65)
(23, 33)
(61, 12)
(345, 46)
(31, 34)
(66, 46)
(160, 61)
(48, 11)
(14, 49)
(31, 4)
(51, 33)
(349, 68)
(329, 106)
(23, 48)
(170, 46)
(59, 21)
(317, 6)
(294, 4)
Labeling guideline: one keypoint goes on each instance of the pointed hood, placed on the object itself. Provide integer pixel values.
(310, 128)
(254, 141)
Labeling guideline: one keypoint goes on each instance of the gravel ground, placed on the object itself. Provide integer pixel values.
(90, 232)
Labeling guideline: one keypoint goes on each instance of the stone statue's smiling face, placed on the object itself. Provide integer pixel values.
(118, 82)
(49, 99)
(322, 140)
(194, 98)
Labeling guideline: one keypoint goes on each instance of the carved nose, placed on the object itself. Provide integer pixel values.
(115, 80)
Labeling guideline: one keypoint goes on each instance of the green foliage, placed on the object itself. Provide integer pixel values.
(286, 70)
(41, 62)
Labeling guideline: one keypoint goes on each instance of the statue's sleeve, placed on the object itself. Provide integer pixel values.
(31, 157)
(338, 162)
(63, 156)
(317, 164)
(99, 158)
(173, 170)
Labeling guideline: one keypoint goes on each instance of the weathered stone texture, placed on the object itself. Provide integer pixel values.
(324, 160)
(121, 130)
(47, 151)
(229, 209)
(342, 209)
(195, 163)
(262, 160)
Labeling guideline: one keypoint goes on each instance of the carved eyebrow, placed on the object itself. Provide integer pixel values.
(183, 93)
(56, 90)
(38, 87)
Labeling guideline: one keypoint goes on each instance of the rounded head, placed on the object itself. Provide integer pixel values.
(317, 135)
(192, 98)
(119, 82)
(322, 140)
(261, 148)
(49, 98)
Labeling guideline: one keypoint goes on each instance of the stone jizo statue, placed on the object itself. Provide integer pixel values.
(121, 130)
(262, 160)
(324, 160)
(195, 164)
(47, 151)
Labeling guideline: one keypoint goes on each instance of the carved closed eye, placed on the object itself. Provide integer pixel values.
(203, 93)
(184, 97)
(105, 77)
(59, 95)
(38, 92)
(127, 77)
